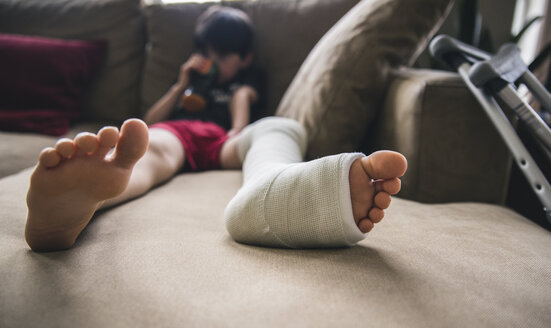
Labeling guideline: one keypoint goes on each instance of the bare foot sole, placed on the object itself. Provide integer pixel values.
(72, 179)
(373, 179)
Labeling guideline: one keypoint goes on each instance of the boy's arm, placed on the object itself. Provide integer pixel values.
(161, 110)
(240, 107)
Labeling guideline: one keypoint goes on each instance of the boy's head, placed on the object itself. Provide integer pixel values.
(225, 35)
(224, 30)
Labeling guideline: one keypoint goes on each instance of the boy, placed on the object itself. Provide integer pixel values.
(280, 203)
(224, 36)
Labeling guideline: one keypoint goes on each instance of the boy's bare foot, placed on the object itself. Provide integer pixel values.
(72, 180)
(372, 180)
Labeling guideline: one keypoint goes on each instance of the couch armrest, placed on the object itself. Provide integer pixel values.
(454, 152)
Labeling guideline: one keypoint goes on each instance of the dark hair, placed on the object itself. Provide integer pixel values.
(225, 30)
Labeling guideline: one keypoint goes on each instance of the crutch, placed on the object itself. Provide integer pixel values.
(489, 77)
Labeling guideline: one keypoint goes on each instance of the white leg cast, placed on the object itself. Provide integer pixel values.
(285, 202)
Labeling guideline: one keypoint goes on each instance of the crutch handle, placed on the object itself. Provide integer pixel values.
(505, 67)
(454, 52)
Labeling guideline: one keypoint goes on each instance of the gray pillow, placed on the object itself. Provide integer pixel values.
(339, 88)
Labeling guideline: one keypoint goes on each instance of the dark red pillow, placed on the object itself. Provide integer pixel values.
(44, 81)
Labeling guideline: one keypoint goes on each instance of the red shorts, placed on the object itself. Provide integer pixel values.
(202, 142)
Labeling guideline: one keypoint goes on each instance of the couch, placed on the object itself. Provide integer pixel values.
(447, 254)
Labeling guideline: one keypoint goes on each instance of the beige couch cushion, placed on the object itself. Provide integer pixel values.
(114, 95)
(165, 260)
(339, 88)
(454, 152)
(19, 151)
(286, 31)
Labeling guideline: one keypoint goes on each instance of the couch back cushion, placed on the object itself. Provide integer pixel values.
(286, 31)
(44, 81)
(114, 95)
(339, 88)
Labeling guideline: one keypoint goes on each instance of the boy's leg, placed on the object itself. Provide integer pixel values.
(74, 179)
(164, 158)
(328, 202)
(229, 159)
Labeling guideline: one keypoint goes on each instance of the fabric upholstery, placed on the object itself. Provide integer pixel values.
(44, 81)
(279, 51)
(165, 260)
(454, 152)
(19, 150)
(114, 95)
(339, 87)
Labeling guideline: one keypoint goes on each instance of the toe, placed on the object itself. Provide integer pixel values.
(382, 200)
(384, 165)
(376, 215)
(391, 186)
(65, 148)
(132, 144)
(86, 142)
(108, 136)
(49, 158)
(366, 225)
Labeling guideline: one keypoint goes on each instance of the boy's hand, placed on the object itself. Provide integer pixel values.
(196, 63)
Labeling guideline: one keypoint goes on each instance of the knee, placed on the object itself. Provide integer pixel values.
(269, 125)
(288, 126)
(163, 159)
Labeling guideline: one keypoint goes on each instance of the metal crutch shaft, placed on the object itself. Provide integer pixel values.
(526, 163)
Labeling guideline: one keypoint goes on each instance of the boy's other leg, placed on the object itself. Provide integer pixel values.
(164, 158)
(229, 159)
(74, 179)
(328, 202)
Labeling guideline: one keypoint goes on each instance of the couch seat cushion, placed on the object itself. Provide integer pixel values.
(166, 260)
(20, 150)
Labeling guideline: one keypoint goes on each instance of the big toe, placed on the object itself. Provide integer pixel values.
(384, 164)
(132, 143)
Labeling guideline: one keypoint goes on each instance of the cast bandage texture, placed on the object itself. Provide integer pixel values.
(285, 202)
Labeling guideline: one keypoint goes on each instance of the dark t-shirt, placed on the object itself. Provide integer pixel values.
(219, 98)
